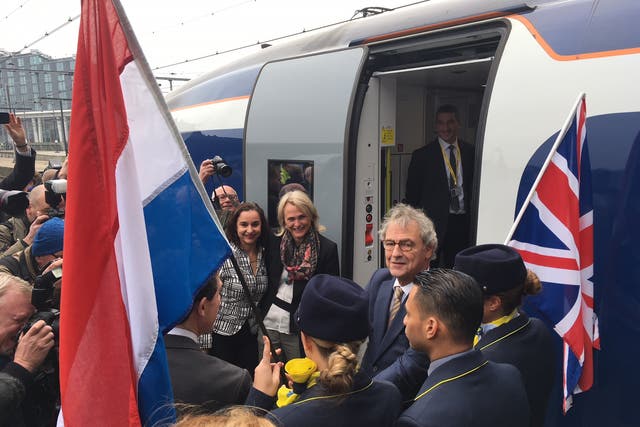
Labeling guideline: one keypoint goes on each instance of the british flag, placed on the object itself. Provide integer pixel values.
(554, 235)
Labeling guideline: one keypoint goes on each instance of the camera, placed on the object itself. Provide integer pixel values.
(221, 167)
(55, 192)
(13, 202)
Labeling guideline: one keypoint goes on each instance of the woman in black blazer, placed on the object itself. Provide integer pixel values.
(296, 253)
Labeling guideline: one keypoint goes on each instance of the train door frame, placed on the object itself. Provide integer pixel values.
(398, 55)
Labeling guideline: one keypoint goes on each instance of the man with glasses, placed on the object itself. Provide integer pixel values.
(409, 241)
(225, 200)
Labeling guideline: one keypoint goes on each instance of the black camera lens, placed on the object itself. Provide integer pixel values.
(222, 168)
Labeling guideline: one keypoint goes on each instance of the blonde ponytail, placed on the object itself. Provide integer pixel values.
(342, 361)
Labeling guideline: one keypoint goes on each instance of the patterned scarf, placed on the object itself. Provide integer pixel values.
(300, 260)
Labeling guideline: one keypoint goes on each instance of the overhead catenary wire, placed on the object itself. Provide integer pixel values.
(48, 33)
(202, 16)
(4, 18)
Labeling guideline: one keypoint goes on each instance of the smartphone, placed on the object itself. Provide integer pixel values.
(4, 118)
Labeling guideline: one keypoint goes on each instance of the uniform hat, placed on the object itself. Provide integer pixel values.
(49, 238)
(333, 309)
(497, 268)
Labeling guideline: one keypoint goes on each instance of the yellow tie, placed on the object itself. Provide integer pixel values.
(398, 293)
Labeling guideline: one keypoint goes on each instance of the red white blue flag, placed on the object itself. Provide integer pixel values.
(141, 235)
(554, 235)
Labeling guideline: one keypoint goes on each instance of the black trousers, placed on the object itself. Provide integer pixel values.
(240, 349)
(455, 239)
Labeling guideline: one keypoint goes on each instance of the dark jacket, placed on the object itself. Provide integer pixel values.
(370, 403)
(427, 184)
(22, 173)
(525, 343)
(469, 391)
(385, 345)
(200, 379)
(14, 383)
(328, 263)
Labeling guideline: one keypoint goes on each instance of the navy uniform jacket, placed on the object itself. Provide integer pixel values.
(385, 346)
(469, 391)
(525, 343)
(198, 378)
(370, 403)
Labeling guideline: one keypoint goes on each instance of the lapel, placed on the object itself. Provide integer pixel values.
(453, 370)
(383, 302)
(510, 328)
(439, 171)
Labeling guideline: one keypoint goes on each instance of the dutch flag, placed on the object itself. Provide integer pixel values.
(141, 236)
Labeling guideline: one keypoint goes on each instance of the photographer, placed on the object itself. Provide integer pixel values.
(25, 166)
(224, 197)
(46, 248)
(17, 374)
(18, 232)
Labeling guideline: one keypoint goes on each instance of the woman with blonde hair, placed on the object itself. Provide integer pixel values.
(326, 387)
(296, 254)
(507, 334)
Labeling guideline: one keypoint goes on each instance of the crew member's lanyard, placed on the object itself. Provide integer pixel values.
(454, 174)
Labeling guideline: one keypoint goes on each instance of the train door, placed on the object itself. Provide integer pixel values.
(410, 79)
(296, 133)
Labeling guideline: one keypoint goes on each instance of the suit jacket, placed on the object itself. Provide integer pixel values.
(525, 343)
(328, 263)
(470, 391)
(428, 186)
(370, 403)
(198, 378)
(385, 345)
(22, 173)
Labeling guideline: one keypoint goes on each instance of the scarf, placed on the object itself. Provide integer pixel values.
(300, 260)
(304, 374)
(486, 327)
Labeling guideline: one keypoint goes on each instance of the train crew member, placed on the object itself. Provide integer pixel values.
(439, 182)
(507, 334)
(409, 241)
(328, 389)
(196, 377)
(463, 388)
(296, 254)
(235, 329)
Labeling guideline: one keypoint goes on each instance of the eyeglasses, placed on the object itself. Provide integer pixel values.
(231, 197)
(405, 245)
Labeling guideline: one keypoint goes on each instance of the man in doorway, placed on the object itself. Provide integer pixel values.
(439, 182)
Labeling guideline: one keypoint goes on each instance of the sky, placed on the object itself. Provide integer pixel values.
(173, 31)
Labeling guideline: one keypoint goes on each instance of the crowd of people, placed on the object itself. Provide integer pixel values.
(277, 328)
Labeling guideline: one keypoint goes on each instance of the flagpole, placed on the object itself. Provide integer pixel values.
(545, 165)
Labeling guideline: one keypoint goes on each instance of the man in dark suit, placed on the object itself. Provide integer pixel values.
(409, 241)
(440, 180)
(444, 311)
(196, 377)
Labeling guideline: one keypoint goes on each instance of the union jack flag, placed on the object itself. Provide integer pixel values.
(554, 235)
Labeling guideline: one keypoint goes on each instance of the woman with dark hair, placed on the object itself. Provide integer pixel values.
(327, 389)
(507, 334)
(297, 253)
(234, 334)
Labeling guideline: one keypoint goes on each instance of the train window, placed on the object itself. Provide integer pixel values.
(284, 176)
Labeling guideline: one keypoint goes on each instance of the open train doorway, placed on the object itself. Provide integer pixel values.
(410, 80)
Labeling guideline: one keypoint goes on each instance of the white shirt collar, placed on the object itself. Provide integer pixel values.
(183, 333)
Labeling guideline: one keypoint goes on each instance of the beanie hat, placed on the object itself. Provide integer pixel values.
(497, 268)
(333, 309)
(49, 238)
